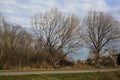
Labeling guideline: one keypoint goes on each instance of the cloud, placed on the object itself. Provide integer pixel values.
(20, 11)
(20, 20)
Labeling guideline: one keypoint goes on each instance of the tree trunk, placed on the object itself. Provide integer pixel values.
(55, 64)
(97, 60)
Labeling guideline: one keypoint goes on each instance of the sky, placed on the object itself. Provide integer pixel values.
(22, 11)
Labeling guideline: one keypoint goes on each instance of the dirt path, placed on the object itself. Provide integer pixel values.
(57, 71)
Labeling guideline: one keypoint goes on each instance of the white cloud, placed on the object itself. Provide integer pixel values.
(19, 10)
(81, 7)
(19, 20)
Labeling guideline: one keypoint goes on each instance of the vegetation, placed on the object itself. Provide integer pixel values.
(54, 37)
(57, 34)
(101, 32)
(70, 76)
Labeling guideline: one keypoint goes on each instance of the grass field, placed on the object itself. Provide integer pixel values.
(74, 76)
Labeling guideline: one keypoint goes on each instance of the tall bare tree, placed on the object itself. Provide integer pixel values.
(101, 30)
(56, 33)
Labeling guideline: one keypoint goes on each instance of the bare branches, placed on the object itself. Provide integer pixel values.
(55, 31)
(101, 30)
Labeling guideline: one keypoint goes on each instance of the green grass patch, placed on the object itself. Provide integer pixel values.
(71, 76)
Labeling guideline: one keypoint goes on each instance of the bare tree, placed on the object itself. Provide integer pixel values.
(15, 41)
(8, 41)
(56, 32)
(101, 30)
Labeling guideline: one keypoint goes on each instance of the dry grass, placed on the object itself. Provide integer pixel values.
(75, 67)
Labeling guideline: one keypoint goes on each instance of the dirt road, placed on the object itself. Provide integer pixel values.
(57, 71)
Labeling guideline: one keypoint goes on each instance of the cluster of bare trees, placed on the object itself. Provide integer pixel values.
(15, 42)
(55, 35)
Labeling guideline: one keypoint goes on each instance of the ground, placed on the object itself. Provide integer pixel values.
(67, 76)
